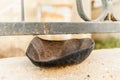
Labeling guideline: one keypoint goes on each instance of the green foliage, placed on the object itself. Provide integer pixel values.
(110, 42)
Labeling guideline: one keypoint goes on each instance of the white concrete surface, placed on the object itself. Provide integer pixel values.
(100, 65)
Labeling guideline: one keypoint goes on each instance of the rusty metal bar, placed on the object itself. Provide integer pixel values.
(36, 28)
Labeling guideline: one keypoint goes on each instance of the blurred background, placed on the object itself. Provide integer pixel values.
(51, 11)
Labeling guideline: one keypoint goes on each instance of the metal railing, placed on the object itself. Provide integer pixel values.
(89, 26)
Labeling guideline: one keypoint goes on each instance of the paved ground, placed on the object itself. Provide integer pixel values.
(100, 65)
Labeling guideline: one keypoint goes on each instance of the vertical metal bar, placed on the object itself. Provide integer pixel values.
(109, 10)
(22, 11)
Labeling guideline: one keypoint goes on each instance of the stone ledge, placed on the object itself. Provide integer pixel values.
(100, 65)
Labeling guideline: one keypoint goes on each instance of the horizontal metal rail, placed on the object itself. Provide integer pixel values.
(37, 28)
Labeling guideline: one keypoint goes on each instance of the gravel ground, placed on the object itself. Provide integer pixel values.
(100, 65)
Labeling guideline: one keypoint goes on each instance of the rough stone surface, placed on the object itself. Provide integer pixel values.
(100, 65)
